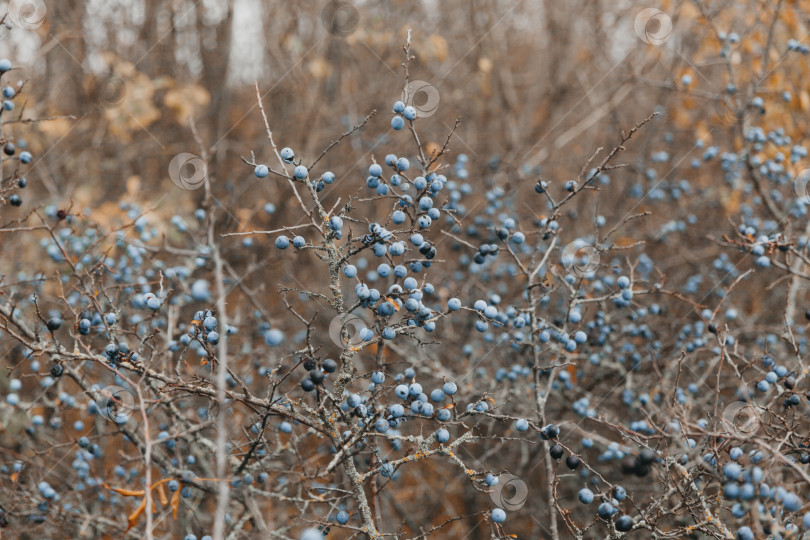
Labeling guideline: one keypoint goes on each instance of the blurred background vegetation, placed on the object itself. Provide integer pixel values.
(539, 86)
(536, 84)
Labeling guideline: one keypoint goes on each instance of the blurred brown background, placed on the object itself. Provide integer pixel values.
(536, 83)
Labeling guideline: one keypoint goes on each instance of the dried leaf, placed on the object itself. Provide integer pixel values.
(185, 100)
(133, 517)
(133, 185)
(432, 150)
(485, 64)
(572, 371)
(175, 503)
(161, 489)
(320, 68)
(127, 492)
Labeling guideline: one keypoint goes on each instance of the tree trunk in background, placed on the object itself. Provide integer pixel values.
(215, 73)
(149, 29)
(65, 91)
(158, 40)
(559, 48)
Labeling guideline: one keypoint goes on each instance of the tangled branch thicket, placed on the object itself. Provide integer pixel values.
(415, 326)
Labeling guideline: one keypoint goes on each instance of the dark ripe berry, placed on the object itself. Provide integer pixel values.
(502, 233)
(329, 365)
(624, 523)
(310, 364)
(807, 314)
(54, 324)
(61, 214)
(804, 458)
(431, 253)
(572, 462)
(551, 431)
(642, 471)
(493, 249)
(792, 401)
(484, 249)
(316, 376)
(57, 370)
(22, 182)
(9, 149)
(556, 451)
(307, 385)
(713, 329)
(790, 382)
(424, 249)
(15, 200)
(479, 259)
(629, 464)
(646, 456)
